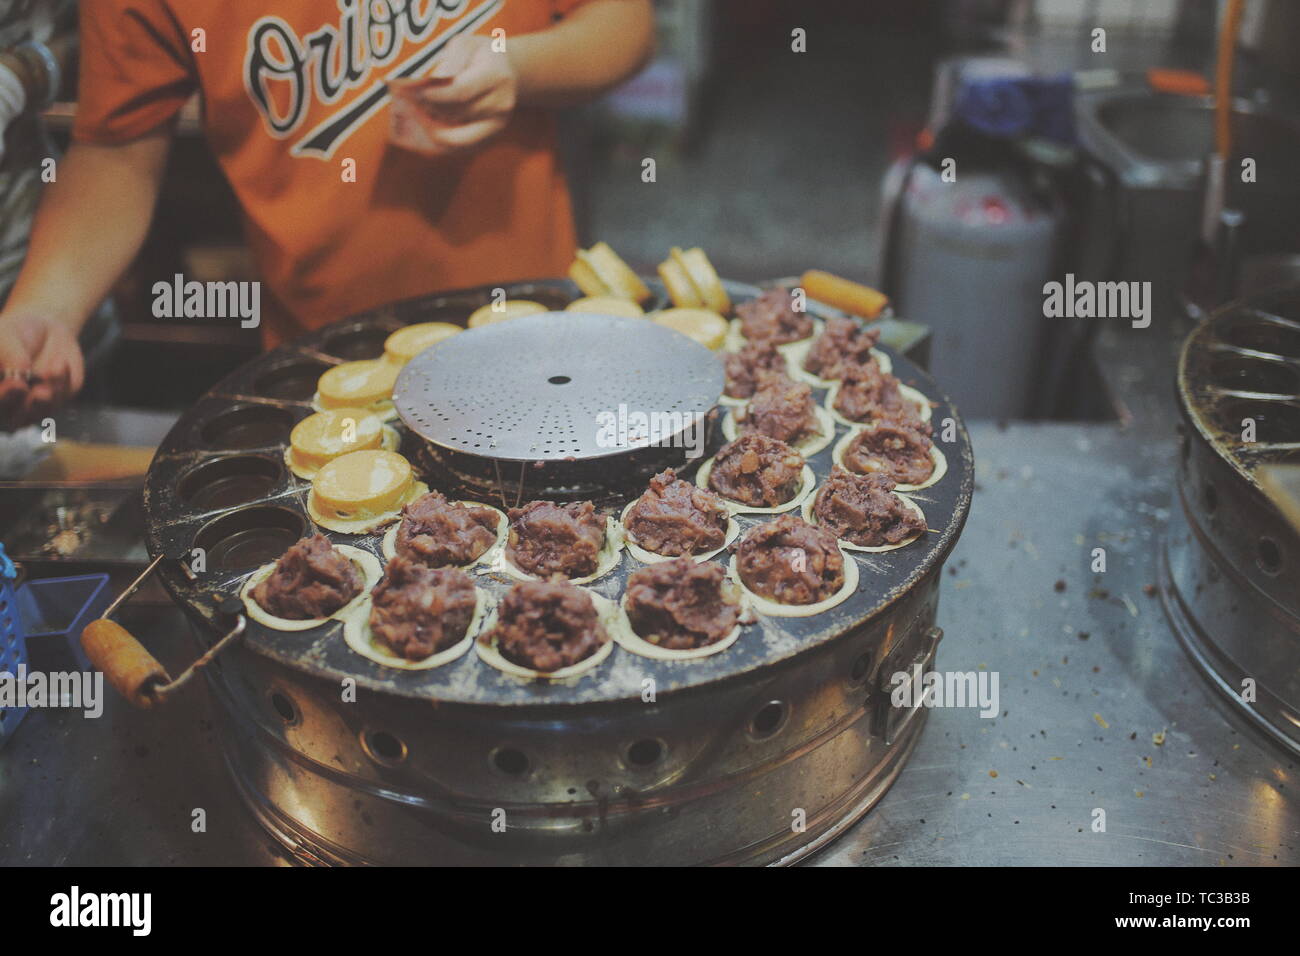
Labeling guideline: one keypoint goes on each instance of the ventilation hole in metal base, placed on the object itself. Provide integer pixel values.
(1269, 555)
(511, 762)
(645, 753)
(768, 720)
(858, 672)
(284, 707)
(383, 747)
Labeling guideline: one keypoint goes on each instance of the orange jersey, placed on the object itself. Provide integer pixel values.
(295, 105)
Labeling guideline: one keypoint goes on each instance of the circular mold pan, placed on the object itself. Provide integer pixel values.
(256, 533)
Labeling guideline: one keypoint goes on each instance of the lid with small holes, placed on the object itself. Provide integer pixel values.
(558, 386)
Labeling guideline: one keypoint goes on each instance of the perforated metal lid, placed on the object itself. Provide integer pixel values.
(558, 386)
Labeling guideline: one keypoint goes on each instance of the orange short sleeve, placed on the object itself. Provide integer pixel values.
(136, 70)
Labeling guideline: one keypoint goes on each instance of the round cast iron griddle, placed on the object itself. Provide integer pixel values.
(248, 416)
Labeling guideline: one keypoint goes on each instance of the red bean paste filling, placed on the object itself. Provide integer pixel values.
(681, 603)
(417, 610)
(863, 510)
(547, 625)
(546, 538)
(757, 471)
(866, 394)
(897, 451)
(781, 408)
(790, 561)
(772, 317)
(843, 343)
(440, 534)
(743, 367)
(676, 518)
(310, 580)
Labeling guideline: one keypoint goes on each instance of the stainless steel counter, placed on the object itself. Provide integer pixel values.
(1089, 675)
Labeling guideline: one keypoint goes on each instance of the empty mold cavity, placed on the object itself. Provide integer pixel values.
(359, 342)
(247, 426)
(249, 538)
(292, 381)
(228, 482)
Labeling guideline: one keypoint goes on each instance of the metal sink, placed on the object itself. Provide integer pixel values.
(1153, 139)
(1157, 144)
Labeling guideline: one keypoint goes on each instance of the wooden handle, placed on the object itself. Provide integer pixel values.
(131, 669)
(852, 297)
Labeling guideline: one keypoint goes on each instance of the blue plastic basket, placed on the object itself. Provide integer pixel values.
(13, 647)
(52, 613)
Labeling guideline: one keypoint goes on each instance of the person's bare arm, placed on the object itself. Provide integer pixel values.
(475, 85)
(593, 49)
(90, 224)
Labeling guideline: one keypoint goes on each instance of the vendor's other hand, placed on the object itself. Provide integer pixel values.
(467, 99)
(40, 367)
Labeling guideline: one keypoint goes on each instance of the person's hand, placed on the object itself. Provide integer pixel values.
(467, 99)
(40, 367)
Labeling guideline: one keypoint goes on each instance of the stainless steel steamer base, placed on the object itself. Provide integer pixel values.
(760, 754)
(1229, 563)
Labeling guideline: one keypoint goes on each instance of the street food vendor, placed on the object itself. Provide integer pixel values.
(380, 150)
